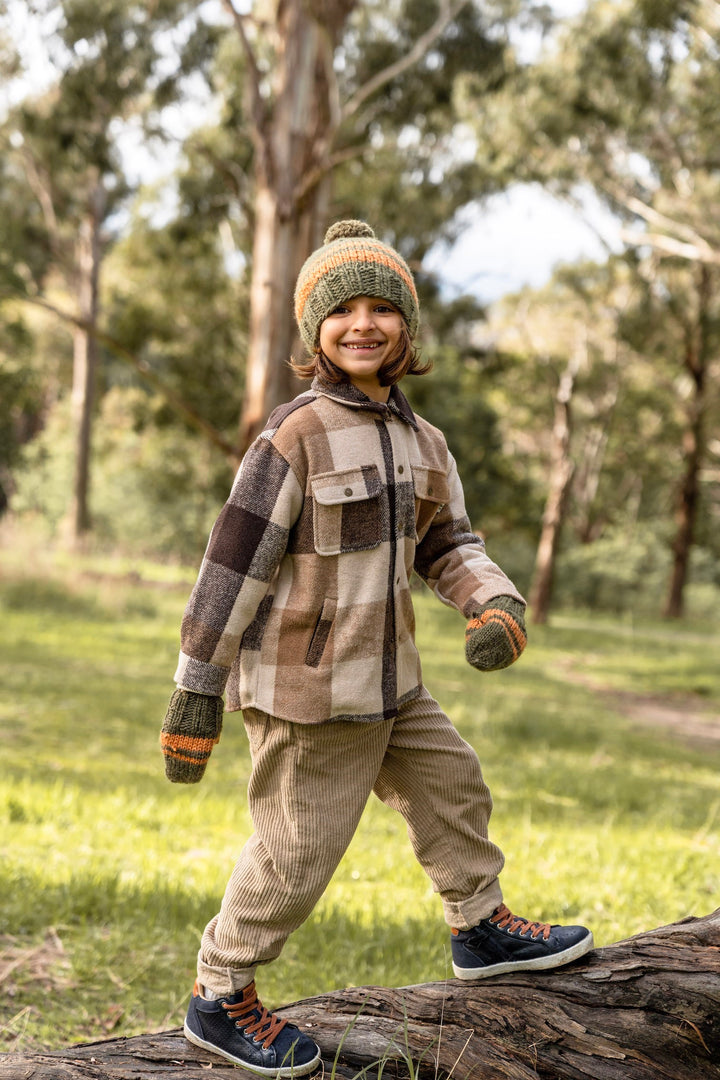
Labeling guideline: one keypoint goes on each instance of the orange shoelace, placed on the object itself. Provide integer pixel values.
(265, 1023)
(504, 919)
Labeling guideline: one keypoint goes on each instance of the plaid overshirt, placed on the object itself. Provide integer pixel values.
(302, 607)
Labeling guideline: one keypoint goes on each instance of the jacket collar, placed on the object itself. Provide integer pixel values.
(347, 394)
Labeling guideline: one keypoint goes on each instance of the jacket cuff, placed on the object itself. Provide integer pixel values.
(200, 677)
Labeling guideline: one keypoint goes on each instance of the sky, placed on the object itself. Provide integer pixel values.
(517, 237)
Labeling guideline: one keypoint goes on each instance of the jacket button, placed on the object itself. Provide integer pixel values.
(348, 491)
(401, 468)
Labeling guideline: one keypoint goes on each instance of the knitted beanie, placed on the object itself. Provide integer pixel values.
(352, 262)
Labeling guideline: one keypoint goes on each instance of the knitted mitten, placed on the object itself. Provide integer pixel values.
(191, 728)
(496, 634)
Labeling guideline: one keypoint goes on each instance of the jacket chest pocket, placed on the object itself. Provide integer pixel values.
(431, 494)
(347, 510)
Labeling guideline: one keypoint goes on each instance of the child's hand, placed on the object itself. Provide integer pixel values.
(496, 634)
(191, 728)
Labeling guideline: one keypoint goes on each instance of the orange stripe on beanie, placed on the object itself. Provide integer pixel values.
(352, 262)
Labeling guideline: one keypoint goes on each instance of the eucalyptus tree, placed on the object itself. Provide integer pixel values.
(60, 146)
(627, 101)
(359, 88)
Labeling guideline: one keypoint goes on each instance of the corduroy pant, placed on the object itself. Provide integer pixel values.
(308, 788)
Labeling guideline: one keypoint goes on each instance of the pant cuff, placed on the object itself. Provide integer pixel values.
(464, 914)
(223, 980)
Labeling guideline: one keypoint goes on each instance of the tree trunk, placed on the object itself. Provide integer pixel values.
(85, 353)
(647, 1008)
(279, 248)
(561, 475)
(292, 165)
(295, 117)
(587, 479)
(696, 365)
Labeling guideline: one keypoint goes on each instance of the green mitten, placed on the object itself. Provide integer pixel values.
(191, 728)
(496, 634)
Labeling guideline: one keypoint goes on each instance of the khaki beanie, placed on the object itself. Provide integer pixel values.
(352, 262)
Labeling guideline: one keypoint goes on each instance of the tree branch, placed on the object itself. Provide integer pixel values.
(176, 403)
(668, 245)
(258, 111)
(695, 247)
(314, 176)
(43, 194)
(448, 10)
(236, 178)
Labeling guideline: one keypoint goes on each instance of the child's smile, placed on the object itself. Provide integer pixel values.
(358, 337)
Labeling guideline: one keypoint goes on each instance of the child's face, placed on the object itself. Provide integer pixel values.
(358, 336)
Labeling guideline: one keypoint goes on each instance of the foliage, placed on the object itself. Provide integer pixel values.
(124, 869)
(625, 99)
(158, 489)
(175, 307)
(455, 397)
(20, 393)
(414, 149)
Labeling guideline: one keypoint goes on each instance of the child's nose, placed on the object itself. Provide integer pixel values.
(364, 319)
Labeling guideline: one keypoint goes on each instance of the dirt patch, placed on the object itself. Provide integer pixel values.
(683, 718)
(687, 718)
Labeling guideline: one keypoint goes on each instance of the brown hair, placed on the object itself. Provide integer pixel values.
(403, 360)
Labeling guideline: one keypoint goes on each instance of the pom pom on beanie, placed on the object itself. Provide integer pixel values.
(343, 230)
(352, 262)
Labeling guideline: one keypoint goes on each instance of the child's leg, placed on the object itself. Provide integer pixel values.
(307, 791)
(433, 777)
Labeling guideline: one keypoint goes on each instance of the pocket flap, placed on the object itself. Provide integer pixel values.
(347, 486)
(430, 484)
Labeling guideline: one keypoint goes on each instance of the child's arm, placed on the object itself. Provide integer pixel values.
(246, 546)
(452, 560)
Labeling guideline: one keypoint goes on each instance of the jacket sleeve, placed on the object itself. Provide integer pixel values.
(451, 558)
(245, 548)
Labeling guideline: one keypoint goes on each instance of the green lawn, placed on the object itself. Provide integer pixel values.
(108, 873)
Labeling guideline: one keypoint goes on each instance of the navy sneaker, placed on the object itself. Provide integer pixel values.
(505, 942)
(240, 1029)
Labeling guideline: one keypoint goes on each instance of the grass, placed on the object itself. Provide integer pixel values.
(108, 873)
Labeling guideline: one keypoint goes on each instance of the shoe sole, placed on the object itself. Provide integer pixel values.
(279, 1071)
(541, 963)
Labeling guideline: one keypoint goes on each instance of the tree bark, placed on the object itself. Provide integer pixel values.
(561, 475)
(647, 1008)
(292, 160)
(295, 118)
(85, 352)
(696, 362)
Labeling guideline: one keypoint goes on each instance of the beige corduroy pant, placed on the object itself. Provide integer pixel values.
(307, 791)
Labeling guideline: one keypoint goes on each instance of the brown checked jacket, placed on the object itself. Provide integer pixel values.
(302, 607)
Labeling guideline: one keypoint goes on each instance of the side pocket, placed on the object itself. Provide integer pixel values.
(321, 633)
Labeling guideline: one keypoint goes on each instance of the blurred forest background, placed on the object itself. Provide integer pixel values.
(167, 166)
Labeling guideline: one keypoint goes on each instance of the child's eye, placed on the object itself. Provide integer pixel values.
(340, 310)
(384, 309)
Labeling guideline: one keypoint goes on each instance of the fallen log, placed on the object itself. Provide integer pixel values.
(647, 1008)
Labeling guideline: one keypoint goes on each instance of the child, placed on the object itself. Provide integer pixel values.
(302, 613)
